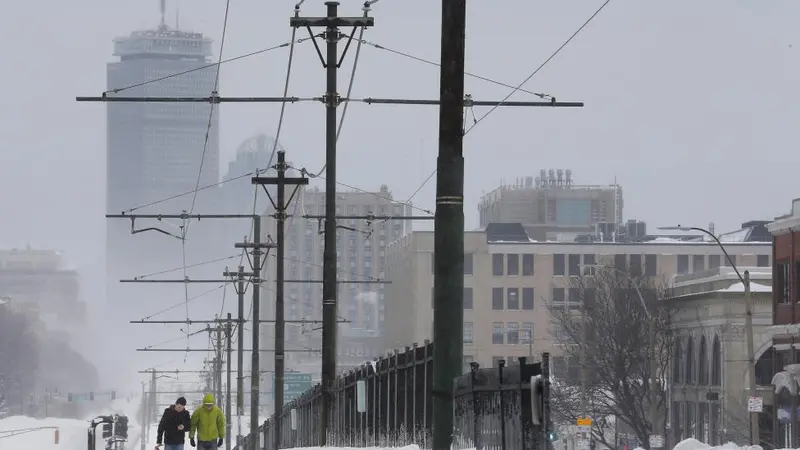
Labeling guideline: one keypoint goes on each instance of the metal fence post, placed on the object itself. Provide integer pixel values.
(414, 374)
(545, 398)
(522, 422)
(501, 364)
(476, 416)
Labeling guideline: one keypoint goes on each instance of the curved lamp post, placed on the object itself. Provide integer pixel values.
(755, 434)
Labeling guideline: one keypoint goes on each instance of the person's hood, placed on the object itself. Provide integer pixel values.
(208, 399)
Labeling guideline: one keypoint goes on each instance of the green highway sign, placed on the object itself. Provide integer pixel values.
(295, 384)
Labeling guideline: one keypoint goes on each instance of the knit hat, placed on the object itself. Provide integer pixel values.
(181, 401)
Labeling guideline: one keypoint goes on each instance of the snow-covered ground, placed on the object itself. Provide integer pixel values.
(72, 433)
(694, 444)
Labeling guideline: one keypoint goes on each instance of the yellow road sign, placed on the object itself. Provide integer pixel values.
(584, 421)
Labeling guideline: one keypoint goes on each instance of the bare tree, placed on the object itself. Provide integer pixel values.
(616, 340)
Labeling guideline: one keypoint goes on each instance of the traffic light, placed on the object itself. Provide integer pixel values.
(91, 396)
(69, 397)
(537, 400)
(113, 395)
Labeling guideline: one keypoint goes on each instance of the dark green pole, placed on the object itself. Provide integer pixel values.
(448, 314)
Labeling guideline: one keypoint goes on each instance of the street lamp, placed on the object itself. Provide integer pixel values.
(755, 434)
(651, 331)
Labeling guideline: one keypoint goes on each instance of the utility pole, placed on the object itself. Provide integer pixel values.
(255, 373)
(331, 63)
(280, 216)
(240, 275)
(448, 280)
(229, 336)
(755, 432)
(218, 371)
(153, 400)
(145, 424)
(584, 371)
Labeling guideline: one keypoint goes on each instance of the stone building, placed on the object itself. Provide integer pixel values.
(709, 370)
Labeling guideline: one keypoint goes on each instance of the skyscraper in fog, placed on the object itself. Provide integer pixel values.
(154, 149)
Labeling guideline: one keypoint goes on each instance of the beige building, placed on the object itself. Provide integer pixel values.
(510, 279)
(360, 248)
(709, 370)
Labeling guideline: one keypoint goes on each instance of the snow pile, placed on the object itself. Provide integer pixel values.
(71, 433)
(694, 444)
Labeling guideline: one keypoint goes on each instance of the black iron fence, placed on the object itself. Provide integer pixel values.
(492, 407)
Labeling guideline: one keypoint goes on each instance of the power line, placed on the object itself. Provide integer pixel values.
(515, 88)
(541, 66)
(274, 141)
(435, 64)
(196, 69)
(202, 263)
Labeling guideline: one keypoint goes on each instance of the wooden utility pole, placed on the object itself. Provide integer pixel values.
(279, 204)
(258, 248)
(228, 336)
(331, 22)
(239, 275)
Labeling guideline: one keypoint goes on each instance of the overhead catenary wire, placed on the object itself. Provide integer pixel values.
(541, 66)
(197, 69)
(435, 64)
(275, 140)
(520, 85)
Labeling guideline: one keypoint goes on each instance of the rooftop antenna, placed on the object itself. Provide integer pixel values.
(178, 18)
(163, 13)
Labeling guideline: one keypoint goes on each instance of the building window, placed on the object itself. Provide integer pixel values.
(513, 333)
(558, 264)
(497, 333)
(636, 265)
(497, 298)
(467, 298)
(527, 265)
(698, 263)
(762, 260)
(574, 297)
(527, 333)
(574, 263)
(730, 263)
(714, 261)
(513, 264)
(683, 264)
(468, 332)
(513, 298)
(782, 286)
(527, 298)
(497, 265)
(620, 262)
(468, 262)
(558, 296)
(797, 277)
(589, 260)
(650, 265)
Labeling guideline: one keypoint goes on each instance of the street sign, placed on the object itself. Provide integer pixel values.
(656, 441)
(295, 384)
(584, 422)
(755, 404)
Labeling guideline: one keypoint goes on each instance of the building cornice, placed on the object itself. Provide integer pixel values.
(786, 223)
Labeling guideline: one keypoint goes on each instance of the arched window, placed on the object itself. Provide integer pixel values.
(702, 363)
(716, 362)
(690, 375)
(677, 359)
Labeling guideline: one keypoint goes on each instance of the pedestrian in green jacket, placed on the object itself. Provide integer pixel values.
(208, 423)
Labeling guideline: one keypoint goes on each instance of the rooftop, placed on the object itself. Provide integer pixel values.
(787, 222)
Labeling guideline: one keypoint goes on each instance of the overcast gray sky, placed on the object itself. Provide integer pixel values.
(691, 105)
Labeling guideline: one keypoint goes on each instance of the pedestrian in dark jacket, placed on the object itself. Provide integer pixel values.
(175, 422)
